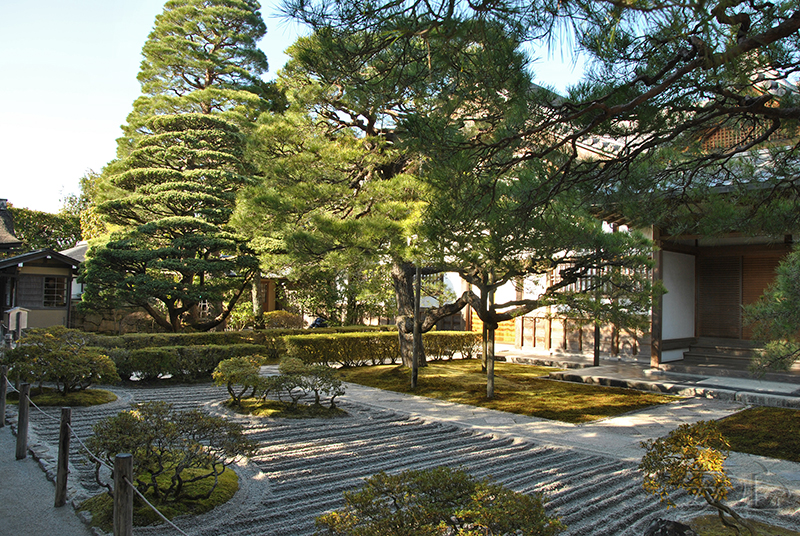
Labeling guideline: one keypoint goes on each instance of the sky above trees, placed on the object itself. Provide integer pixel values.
(70, 78)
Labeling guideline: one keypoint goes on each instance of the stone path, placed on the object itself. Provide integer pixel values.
(303, 466)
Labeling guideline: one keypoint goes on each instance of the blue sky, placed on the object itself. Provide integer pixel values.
(68, 80)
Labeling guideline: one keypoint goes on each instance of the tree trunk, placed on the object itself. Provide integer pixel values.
(490, 363)
(257, 297)
(490, 346)
(403, 280)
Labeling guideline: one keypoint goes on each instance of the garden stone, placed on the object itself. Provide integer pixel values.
(666, 527)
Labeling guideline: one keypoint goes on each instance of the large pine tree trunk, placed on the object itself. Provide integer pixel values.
(403, 279)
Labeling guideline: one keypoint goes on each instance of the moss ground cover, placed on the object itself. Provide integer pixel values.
(519, 389)
(285, 410)
(48, 396)
(771, 432)
(102, 506)
(710, 526)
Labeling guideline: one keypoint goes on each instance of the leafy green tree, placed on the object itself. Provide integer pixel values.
(174, 252)
(342, 180)
(776, 318)
(39, 230)
(63, 356)
(173, 188)
(497, 227)
(84, 207)
(685, 93)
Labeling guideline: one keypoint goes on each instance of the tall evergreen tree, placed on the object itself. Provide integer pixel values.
(202, 57)
(174, 254)
(181, 162)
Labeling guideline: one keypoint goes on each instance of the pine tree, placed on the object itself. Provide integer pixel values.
(181, 163)
(174, 254)
(202, 57)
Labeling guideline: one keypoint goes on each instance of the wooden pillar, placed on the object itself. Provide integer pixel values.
(123, 495)
(22, 421)
(3, 393)
(548, 333)
(62, 469)
(656, 322)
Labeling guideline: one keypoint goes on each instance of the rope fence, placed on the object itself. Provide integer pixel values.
(123, 488)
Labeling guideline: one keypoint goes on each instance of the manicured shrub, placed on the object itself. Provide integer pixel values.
(345, 349)
(359, 349)
(169, 442)
(186, 363)
(63, 356)
(441, 345)
(282, 319)
(437, 502)
(238, 375)
(297, 380)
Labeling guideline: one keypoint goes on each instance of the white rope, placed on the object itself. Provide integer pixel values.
(154, 508)
(101, 462)
(91, 454)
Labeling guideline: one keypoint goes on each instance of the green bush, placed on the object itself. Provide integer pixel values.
(187, 363)
(165, 441)
(60, 355)
(436, 502)
(296, 381)
(238, 375)
(134, 341)
(358, 349)
(282, 319)
(345, 349)
(441, 345)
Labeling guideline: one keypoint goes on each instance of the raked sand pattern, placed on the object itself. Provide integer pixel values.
(303, 466)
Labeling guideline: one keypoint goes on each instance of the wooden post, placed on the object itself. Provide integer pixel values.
(656, 320)
(596, 356)
(62, 470)
(22, 421)
(490, 338)
(3, 393)
(417, 339)
(123, 495)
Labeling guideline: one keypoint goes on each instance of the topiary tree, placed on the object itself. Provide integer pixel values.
(436, 502)
(170, 448)
(691, 458)
(63, 356)
(174, 255)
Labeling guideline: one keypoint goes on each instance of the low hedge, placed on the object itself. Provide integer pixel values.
(268, 337)
(359, 349)
(193, 356)
(189, 363)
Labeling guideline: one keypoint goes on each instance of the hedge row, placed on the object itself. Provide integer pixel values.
(359, 349)
(264, 336)
(188, 363)
(193, 356)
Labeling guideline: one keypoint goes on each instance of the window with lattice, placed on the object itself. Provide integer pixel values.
(55, 292)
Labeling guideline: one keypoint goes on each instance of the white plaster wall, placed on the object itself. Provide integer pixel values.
(453, 283)
(673, 355)
(678, 302)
